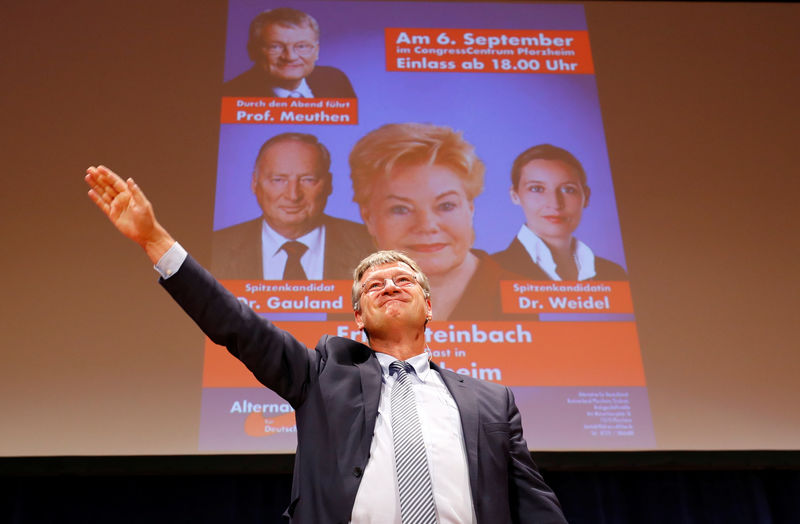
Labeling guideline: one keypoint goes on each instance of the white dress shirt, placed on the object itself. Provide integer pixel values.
(273, 258)
(542, 257)
(377, 500)
(302, 91)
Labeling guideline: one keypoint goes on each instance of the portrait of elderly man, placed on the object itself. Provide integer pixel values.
(283, 44)
(293, 239)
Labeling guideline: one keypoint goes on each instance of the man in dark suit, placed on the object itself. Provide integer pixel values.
(283, 44)
(361, 409)
(291, 181)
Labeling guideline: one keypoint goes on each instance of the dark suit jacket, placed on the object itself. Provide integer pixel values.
(335, 391)
(482, 299)
(237, 254)
(516, 258)
(325, 82)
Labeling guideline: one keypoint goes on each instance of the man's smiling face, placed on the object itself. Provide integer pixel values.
(391, 298)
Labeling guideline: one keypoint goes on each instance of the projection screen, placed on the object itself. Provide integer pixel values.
(658, 140)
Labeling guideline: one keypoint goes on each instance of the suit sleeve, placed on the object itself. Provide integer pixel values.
(275, 357)
(329, 82)
(530, 498)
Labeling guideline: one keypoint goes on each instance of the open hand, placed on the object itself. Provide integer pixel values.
(125, 205)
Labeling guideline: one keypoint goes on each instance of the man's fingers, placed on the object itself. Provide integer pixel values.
(90, 181)
(107, 179)
(98, 182)
(107, 173)
(119, 205)
(107, 185)
(98, 192)
(136, 192)
(117, 184)
(97, 199)
(92, 178)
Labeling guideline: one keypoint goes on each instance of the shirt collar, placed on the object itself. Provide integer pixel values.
(541, 256)
(273, 241)
(303, 90)
(420, 363)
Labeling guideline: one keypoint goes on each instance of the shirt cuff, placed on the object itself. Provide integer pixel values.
(171, 261)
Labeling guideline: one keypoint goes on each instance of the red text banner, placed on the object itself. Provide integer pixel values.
(565, 297)
(288, 296)
(511, 353)
(487, 51)
(253, 110)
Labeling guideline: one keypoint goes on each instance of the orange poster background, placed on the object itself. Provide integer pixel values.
(255, 424)
(258, 110)
(446, 45)
(559, 354)
(264, 295)
(618, 298)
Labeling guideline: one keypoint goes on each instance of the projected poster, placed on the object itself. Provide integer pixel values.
(405, 122)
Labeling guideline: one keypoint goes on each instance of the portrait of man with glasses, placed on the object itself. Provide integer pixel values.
(283, 44)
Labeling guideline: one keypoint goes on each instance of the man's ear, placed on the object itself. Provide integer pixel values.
(359, 320)
(588, 193)
(514, 196)
(254, 181)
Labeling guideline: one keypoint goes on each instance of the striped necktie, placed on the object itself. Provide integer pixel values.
(411, 463)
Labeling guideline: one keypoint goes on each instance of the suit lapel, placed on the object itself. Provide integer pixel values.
(333, 247)
(339, 251)
(467, 403)
(257, 258)
(524, 264)
(370, 371)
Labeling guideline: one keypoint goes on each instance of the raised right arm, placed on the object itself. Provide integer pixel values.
(274, 356)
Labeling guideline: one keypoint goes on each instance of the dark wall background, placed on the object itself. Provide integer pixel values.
(716, 490)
